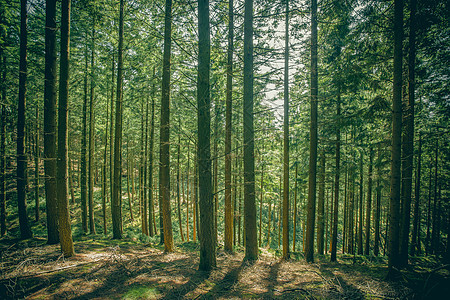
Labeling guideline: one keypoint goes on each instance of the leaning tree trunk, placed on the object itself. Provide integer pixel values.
(65, 231)
(25, 230)
(394, 232)
(309, 247)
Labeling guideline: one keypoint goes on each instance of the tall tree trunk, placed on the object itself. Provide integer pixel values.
(151, 213)
(207, 237)
(251, 245)
(261, 205)
(228, 245)
(321, 205)
(104, 168)
(378, 205)
(216, 169)
(369, 202)
(83, 183)
(361, 196)
(415, 242)
(65, 231)
(408, 141)
(435, 213)
(36, 167)
(295, 208)
(116, 200)
(2, 138)
(188, 182)
(178, 180)
(145, 169)
(25, 230)
(164, 170)
(336, 179)
(394, 259)
(111, 131)
(286, 139)
(91, 138)
(309, 247)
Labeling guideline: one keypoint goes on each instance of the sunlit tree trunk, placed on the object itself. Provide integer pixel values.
(369, 202)
(84, 135)
(22, 179)
(65, 231)
(178, 180)
(91, 139)
(228, 245)
(151, 214)
(295, 208)
(286, 140)
(311, 209)
(2, 138)
(116, 200)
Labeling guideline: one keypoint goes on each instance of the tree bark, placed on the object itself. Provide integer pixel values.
(361, 196)
(311, 212)
(84, 187)
(321, 205)
(207, 237)
(91, 138)
(22, 179)
(164, 170)
(228, 245)
(415, 245)
(286, 253)
(65, 231)
(2, 139)
(369, 202)
(251, 245)
(116, 200)
(336, 179)
(394, 259)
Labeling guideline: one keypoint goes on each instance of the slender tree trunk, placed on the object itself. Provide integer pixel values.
(394, 232)
(22, 179)
(415, 243)
(65, 231)
(151, 214)
(251, 245)
(111, 132)
(261, 205)
(295, 208)
(336, 180)
(378, 205)
(36, 167)
(145, 187)
(369, 202)
(178, 180)
(321, 205)
(286, 139)
(309, 247)
(91, 139)
(84, 188)
(116, 200)
(187, 188)
(216, 169)
(2, 139)
(435, 213)
(104, 168)
(361, 196)
(228, 245)
(280, 212)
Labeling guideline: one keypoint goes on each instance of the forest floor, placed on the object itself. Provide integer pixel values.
(129, 269)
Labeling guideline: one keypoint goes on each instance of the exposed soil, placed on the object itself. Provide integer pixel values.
(108, 269)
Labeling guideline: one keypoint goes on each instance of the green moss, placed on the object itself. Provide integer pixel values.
(141, 292)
